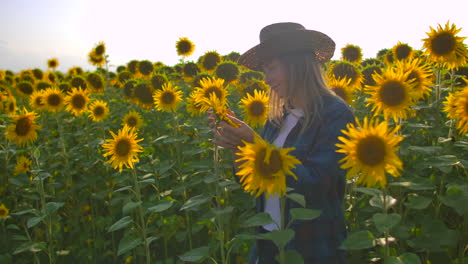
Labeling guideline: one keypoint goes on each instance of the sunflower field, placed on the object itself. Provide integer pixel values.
(119, 166)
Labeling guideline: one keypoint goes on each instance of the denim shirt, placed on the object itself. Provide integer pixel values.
(320, 180)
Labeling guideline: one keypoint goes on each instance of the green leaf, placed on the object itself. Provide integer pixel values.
(406, 258)
(128, 243)
(416, 184)
(385, 222)
(52, 207)
(128, 207)
(359, 240)
(122, 223)
(456, 198)
(279, 237)
(194, 202)
(161, 206)
(226, 210)
(196, 254)
(369, 191)
(30, 246)
(33, 221)
(443, 163)
(304, 214)
(258, 219)
(298, 198)
(129, 187)
(418, 202)
(292, 257)
(425, 149)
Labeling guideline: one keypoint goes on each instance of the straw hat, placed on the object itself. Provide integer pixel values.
(286, 38)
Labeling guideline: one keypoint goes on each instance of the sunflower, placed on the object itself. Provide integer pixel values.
(98, 110)
(190, 70)
(210, 86)
(132, 119)
(38, 74)
(228, 71)
(75, 71)
(343, 69)
(251, 86)
(157, 81)
(52, 63)
(370, 151)
(351, 53)
(53, 99)
(219, 107)
(10, 106)
(145, 68)
(402, 51)
(265, 167)
(421, 75)
(342, 89)
(461, 112)
(23, 165)
(51, 77)
(143, 95)
(78, 81)
(367, 73)
(123, 76)
(100, 48)
(168, 98)
(3, 211)
(132, 66)
(255, 108)
(36, 100)
(25, 88)
(184, 47)
(450, 106)
(443, 47)
(42, 85)
(77, 101)
(96, 60)
(123, 148)
(389, 58)
(95, 82)
(392, 94)
(210, 60)
(128, 88)
(194, 108)
(24, 129)
(249, 75)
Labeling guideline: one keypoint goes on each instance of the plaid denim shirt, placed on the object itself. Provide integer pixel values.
(320, 180)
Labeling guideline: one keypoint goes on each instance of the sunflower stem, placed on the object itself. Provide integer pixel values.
(219, 218)
(452, 90)
(386, 248)
(282, 255)
(141, 216)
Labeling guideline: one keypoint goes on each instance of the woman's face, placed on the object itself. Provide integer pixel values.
(276, 77)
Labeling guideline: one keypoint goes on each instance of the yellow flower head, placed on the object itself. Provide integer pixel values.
(23, 165)
(123, 148)
(36, 100)
(461, 110)
(210, 60)
(168, 98)
(52, 63)
(370, 150)
(351, 53)
(265, 167)
(393, 94)
(53, 99)
(3, 211)
(420, 75)
(444, 47)
(98, 110)
(24, 129)
(77, 101)
(95, 82)
(402, 51)
(185, 47)
(255, 108)
(143, 95)
(132, 119)
(342, 89)
(343, 69)
(207, 87)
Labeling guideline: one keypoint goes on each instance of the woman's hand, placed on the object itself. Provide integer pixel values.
(228, 136)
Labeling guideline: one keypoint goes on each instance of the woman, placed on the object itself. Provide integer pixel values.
(306, 115)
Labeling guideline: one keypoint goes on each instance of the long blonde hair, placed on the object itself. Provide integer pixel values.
(305, 89)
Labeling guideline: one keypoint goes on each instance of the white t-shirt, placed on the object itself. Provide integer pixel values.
(272, 204)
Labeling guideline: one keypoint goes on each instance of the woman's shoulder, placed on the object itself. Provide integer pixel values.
(335, 106)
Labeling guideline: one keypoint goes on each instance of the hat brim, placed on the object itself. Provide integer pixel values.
(295, 41)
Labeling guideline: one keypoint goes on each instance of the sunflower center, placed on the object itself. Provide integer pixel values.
(26, 88)
(54, 100)
(340, 91)
(98, 111)
(122, 148)
(371, 150)
(392, 93)
(131, 121)
(443, 44)
(78, 101)
(213, 89)
(257, 108)
(23, 126)
(272, 166)
(345, 70)
(184, 46)
(144, 94)
(402, 52)
(168, 98)
(3, 212)
(351, 54)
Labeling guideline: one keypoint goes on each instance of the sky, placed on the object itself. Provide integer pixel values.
(33, 31)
